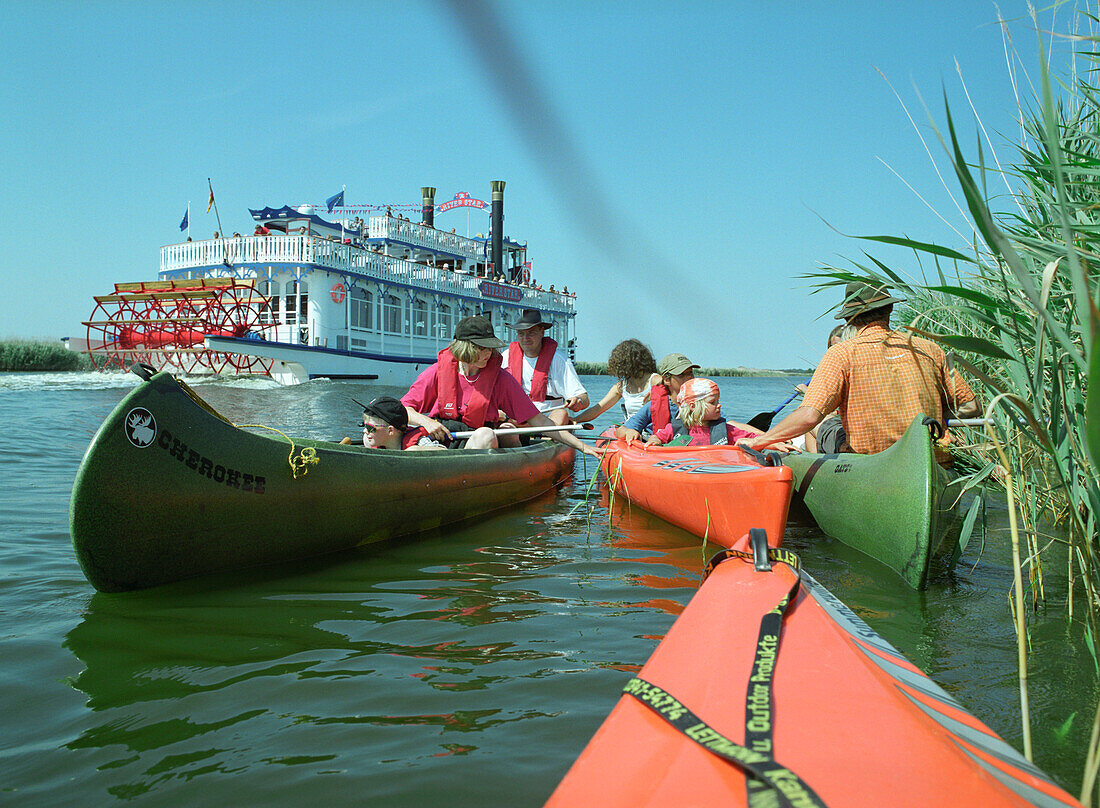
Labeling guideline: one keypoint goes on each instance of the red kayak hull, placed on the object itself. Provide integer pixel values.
(716, 492)
(853, 718)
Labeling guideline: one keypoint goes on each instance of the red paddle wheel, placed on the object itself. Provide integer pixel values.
(162, 323)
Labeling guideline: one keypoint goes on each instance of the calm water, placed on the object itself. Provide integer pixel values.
(469, 665)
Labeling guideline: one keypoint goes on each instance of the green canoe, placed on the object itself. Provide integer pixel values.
(170, 490)
(897, 506)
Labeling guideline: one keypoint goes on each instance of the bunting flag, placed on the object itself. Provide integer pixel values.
(183, 224)
(336, 200)
(211, 202)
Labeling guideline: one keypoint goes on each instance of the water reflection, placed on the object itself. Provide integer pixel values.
(374, 659)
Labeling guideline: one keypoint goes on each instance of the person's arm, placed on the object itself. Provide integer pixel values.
(574, 403)
(566, 437)
(632, 429)
(799, 422)
(430, 425)
(962, 397)
(968, 409)
(596, 410)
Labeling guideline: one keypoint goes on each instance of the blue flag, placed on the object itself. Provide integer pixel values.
(183, 224)
(336, 200)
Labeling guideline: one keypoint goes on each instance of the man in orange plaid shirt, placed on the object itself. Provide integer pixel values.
(878, 379)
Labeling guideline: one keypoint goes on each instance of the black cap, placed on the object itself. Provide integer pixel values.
(388, 410)
(479, 331)
(529, 319)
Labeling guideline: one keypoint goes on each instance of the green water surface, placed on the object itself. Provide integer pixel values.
(467, 666)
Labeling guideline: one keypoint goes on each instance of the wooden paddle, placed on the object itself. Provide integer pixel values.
(763, 420)
(528, 430)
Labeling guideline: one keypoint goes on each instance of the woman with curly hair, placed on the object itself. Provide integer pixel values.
(631, 362)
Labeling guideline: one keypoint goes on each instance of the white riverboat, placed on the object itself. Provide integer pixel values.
(339, 298)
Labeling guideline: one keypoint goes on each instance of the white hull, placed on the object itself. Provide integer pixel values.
(295, 364)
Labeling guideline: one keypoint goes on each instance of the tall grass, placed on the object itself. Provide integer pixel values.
(1018, 307)
(19, 354)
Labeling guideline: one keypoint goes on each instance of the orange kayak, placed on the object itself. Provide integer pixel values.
(850, 721)
(716, 492)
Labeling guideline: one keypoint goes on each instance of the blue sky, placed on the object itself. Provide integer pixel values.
(677, 165)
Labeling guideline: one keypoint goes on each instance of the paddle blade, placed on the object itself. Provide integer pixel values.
(762, 421)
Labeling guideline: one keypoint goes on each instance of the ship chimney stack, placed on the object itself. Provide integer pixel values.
(427, 212)
(497, 227)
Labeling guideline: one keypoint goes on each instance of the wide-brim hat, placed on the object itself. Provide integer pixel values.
(478, 330)
(674, 364)
(860, 297)
(529, 319)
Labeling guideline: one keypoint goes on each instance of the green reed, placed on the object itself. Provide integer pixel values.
(1017, 309)
(34, 355)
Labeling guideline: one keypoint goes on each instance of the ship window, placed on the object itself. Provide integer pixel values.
(291, 302)
(419, 318)
(362, 309)
(445, 322)
(269, 309)
(303, 300)
(392, 318)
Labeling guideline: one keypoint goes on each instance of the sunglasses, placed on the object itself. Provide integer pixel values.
(372, 427)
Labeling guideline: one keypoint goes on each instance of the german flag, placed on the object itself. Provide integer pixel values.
(211, 202)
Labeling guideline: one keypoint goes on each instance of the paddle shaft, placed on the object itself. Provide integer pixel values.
(763, 420)
(528, 430)
(952, 422)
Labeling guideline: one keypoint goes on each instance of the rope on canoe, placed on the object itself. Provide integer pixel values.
(299, 466)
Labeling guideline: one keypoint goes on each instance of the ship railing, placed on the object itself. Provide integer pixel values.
(408, 232)
(334, 255)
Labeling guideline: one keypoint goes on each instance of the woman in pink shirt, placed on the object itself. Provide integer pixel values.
(466, 389)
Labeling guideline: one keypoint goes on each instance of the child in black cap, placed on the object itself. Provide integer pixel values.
(386, 426)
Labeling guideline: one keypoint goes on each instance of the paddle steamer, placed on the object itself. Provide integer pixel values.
(309, 296)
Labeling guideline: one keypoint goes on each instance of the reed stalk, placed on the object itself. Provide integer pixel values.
(1019, 306)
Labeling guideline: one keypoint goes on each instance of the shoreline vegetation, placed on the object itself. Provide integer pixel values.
(40, 355)
(1017, 306)
(600, 369)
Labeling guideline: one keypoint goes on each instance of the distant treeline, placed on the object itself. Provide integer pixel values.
(600, 369)
(25, 354)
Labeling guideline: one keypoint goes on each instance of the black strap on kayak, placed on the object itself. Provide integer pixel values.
(768, 784)
(934, 427)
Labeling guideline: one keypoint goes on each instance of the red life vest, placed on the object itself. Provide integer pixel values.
(660, 410)
(542, 367)
(475, 412)
(412, 435)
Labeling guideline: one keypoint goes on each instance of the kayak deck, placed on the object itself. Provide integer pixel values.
(855, 720)
(897, 506)
(715, 492)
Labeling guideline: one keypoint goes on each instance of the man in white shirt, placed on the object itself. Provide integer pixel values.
(546, 374)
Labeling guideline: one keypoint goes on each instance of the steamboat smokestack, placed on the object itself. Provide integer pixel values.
(427, 212)
(498, 226)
